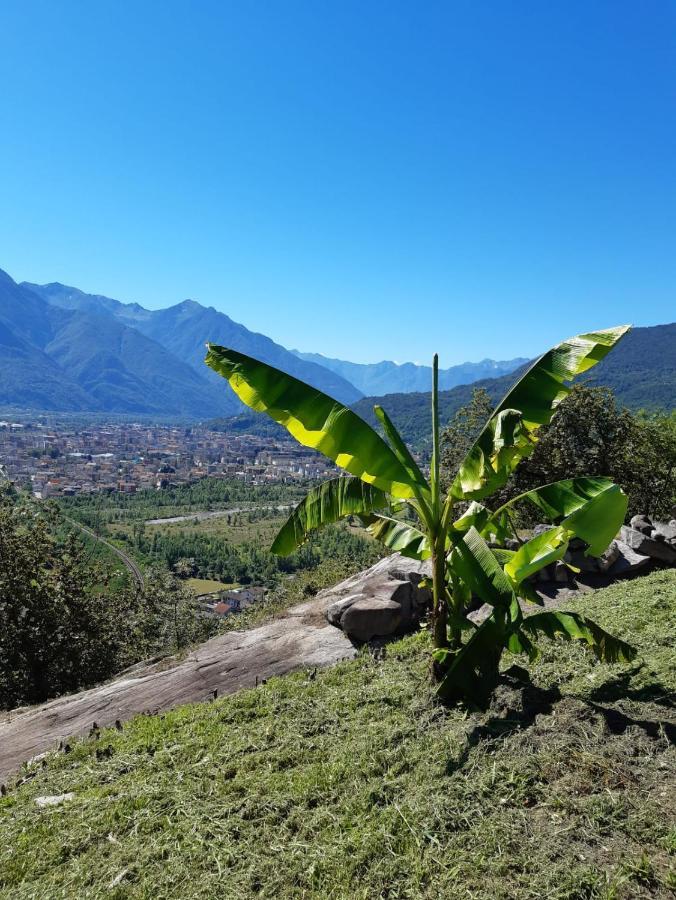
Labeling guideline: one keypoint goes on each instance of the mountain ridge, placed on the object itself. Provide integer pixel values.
(388, 377)
(641, 372)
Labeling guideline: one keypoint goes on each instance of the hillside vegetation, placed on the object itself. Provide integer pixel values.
(354, 783)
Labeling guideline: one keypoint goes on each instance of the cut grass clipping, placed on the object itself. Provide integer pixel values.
(355, 783)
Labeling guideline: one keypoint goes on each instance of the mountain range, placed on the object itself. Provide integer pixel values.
(641, 371)
(389, 377)
(64, 350)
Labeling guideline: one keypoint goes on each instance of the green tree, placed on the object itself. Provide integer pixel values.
(62, 626)
(589, 434)
(384, 477)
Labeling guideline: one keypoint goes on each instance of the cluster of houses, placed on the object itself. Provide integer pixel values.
(58, 460)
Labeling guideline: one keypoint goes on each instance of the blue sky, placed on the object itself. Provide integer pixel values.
(366, 180)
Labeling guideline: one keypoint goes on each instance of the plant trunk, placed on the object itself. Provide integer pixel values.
(440, 609)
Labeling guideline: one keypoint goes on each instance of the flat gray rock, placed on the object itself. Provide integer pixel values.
(628, 562)
(302, 638)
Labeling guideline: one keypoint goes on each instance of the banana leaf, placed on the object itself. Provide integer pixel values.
(399, 536)
(531, 402)
(479, 569)
(537, 553)
(598, 521)
(327, 503)
(575, 627)
(314, 419)
(555, 500)
(402, 452)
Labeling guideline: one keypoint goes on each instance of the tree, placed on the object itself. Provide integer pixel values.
(383, 478)
(62, 625)
(590, 435)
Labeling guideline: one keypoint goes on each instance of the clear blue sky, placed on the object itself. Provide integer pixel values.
(367, 180)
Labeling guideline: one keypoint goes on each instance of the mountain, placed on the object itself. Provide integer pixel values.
(641, 371)
(52, 358)
(376, 379)
(184, 329)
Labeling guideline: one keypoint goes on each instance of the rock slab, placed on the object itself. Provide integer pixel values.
(300, 639)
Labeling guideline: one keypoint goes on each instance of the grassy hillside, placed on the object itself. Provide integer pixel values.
(356, 784)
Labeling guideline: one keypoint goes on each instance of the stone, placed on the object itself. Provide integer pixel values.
(665, 531)
(335, 612)
(540, 529)
(372, 617)
(646, 546)
(641, 523)
(384, 600)
(300, 638)
(609, 557)
(628, 561)
(577, 557)
(55, 800)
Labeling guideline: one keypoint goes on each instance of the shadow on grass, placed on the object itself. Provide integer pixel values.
(619, 689)
(517, 703)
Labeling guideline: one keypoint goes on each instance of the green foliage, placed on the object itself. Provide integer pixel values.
(590, 435)
(462, 562)
(249, 562)
(356, 784)
(61, 627)
(199, 496)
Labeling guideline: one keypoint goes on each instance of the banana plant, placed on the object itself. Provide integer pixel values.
(458, 532)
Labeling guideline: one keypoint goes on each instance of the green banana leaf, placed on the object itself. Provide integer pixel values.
(556, 501)
(479, 569)
(399, 536)
(530, 403)
(402, 452)
(327, 503)
(537, 553)
(574, 627)
(598, 521)
(314, 419)
(475, 515)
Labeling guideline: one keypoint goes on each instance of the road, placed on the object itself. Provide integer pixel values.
(214, 514)
(128, 562)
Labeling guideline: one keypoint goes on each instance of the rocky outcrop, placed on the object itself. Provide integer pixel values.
(656, 540)
(384, 600)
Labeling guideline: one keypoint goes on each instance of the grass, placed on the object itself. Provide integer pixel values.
(206, 585)
(356, 784)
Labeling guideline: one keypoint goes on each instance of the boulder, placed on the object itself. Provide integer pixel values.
(384, 600)
(648, 546)
(628, 561)
(641, 523)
